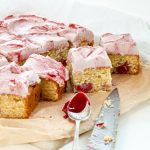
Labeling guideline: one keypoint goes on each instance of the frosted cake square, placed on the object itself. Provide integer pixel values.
(19, 92)
(52, 45)
(52, 73)
(89, 69)
(122, 51)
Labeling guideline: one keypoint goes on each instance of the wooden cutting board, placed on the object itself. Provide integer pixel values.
(47, 122)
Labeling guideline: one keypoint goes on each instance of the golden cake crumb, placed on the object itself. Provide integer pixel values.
(108, 139)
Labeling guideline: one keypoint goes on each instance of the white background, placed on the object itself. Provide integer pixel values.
(117, 16)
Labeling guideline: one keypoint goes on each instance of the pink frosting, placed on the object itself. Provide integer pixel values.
(5, 36)
(22, 21)
(28, 24)
(14, 80)
(3, 26)
(122, 44)
(75, 34)
(22, 26)
(88, 57)
(18, 49)
(48, 42)
(3, 61)
(21, 36)
(21, 48)
(47, 68)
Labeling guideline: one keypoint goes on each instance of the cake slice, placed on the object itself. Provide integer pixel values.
(122, 51)
(19, 92)
(52, 73)
(52, 45)
(89, 69)
(77, 35)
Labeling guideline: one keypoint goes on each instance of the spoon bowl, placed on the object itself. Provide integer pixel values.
(82, 116)
(78, 114)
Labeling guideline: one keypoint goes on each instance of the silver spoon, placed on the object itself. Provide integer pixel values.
(78, 117)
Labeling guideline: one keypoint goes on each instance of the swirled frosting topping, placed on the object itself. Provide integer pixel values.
(122, 44)
(88, 57)
(14, 80)
(47, 68)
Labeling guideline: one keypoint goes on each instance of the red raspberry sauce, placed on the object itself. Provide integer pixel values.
(63, 61)
(73, 26)
(86, 87)
(100, 124)
(76, 104)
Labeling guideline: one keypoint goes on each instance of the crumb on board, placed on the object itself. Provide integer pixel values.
(108, 139)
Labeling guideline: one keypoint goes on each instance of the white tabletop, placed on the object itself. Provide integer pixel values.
(117, 16)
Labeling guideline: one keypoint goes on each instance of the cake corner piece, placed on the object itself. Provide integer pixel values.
(53, 76)
(19, 93)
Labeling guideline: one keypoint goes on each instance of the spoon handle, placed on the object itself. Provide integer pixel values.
(76, 136)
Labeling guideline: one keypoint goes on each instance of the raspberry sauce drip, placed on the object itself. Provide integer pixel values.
(76, 104)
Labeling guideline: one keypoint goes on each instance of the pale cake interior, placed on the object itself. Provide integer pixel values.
(57, 54)
(13, 106)
(50, 90)
(100, 78)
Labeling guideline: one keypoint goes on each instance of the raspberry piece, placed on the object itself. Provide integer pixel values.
(123, 68)
(63, 61)
(85, 87)
(72, 26)
(101, 125)
(12, 81)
